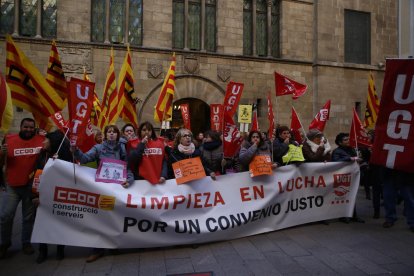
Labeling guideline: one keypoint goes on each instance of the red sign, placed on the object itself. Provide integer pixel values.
(185, 113)
(394, 131)
(59, 121)
(80, 102)
(216, 117)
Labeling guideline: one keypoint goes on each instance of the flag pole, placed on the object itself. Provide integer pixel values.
(303, 130)
(61, 143)
(353, 127)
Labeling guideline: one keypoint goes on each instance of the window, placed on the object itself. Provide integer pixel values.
(258, 40)
(194, 25)
(357, 37)
(22, 17)
(124, 24)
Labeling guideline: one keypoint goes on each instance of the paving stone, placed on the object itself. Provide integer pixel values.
(284, 263)
(314, 266)
(246, 250)
(179, 266)
(363, 263)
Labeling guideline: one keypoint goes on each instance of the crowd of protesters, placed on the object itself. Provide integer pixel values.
(151, 158)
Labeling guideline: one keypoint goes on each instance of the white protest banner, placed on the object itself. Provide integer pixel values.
(106, 215)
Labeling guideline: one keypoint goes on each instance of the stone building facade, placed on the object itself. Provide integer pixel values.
(312, 51)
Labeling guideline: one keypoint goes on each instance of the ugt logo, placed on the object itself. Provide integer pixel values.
(342, 183)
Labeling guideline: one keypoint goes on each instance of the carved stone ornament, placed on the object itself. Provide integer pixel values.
(223, 74)
(75, 59)
(154, 70)
(191, 64)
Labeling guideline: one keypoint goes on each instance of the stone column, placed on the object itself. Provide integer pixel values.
(254, 28)
(126, 35)
(203, 24)
(269, 28)
(107, 22)
(16, 18)
(39, 20)
(185, 24)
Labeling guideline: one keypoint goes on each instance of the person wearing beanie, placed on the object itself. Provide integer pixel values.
(316, 148)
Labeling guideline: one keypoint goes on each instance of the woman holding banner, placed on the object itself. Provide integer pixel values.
(147, 160)
(110, 148)
(254, 145)
(184, 148)
(55, 145)
(316, 148)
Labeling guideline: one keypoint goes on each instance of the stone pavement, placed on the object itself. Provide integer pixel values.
(317, 249)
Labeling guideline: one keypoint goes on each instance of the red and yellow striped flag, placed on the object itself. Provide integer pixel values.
(372, 107)
(110, 94)
(55, 76)
(126, 87)
(6, 107)
(163, 109)
(96, 110)
(29, 89)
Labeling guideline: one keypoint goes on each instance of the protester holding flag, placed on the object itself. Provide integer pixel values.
(184, 148)
(148, 160)
(316, 147)
(51, 149)
(254, 145)
(19, 170)
(212, 151)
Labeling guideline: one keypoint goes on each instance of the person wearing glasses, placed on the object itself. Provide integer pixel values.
(184, 148)
(254, 145)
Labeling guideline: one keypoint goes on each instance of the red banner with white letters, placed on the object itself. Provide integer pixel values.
(231, 135)
(394, 130)
(216, 117)
(185, 113)
(80, 102)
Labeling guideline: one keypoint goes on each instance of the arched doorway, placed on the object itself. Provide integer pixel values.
(199, 115)
(198, 90)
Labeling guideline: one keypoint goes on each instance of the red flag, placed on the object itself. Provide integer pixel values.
(357, 135)
(79, 106)
(231, 138)
(255, 123)
(270, 116)
(231, 135)
(60, 121)
(394, 130)
(321, 118)
(286, 86)
(232, 98)
(216, 117)
(185, 113)
(88, 139)
(295, 126)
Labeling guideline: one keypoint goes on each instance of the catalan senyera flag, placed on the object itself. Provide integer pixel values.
(43, 122)
(110, 94)
(96, 107)
(55, 76)
(6, 106)
(29, 89)
(163, 109)
(126, 86)
(372, 107)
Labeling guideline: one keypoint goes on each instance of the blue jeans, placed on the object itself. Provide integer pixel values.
(10, 201)
(395, 181)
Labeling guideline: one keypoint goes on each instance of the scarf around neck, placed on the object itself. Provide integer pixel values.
(188, 150)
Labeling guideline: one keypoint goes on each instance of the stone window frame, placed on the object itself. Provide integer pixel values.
(269, 34)
(39, 19)
(203, 5)
(126, 23)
